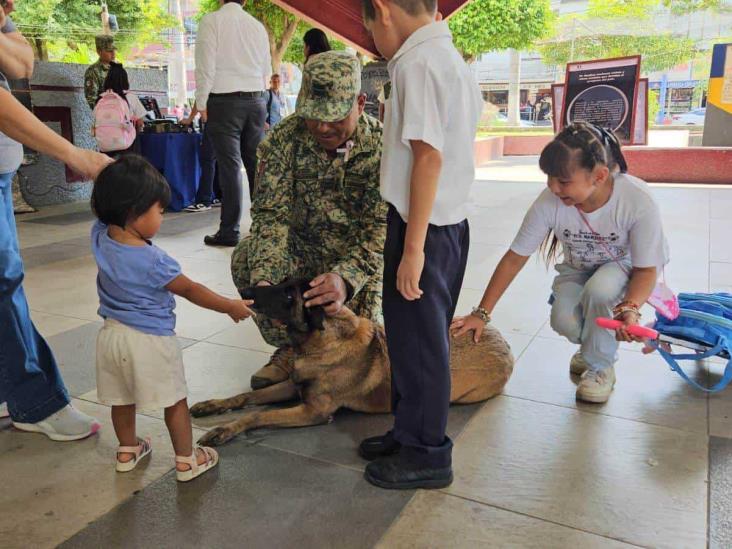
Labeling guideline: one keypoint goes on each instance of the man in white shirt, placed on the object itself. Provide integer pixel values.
(233, 67)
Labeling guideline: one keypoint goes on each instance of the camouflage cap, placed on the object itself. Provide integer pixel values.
(331, 83)
(104, 42)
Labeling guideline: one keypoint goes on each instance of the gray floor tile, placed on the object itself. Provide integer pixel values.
(64, 219)
(337, 441)
(433, 520)
(179, 223)
(720, 493)
(49, 253)
(259, 497)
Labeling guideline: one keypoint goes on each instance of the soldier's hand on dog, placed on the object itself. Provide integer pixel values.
(240, 310)
(464, 324)
(408, 275)
(329, 290)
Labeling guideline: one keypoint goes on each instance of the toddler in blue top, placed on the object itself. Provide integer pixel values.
(139, 362)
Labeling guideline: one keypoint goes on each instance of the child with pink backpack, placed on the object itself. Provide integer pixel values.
(118, 114)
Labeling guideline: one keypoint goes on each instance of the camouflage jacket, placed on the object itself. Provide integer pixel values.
(326, 212)
(94, 78)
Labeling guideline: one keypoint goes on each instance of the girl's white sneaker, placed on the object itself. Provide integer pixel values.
(596, 385)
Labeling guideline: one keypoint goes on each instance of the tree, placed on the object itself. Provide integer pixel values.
(284, 29)
(489, 25)
(619, 28)
(68, 27)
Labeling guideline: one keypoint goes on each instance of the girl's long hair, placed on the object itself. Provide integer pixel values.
(117, 80)
(582, 145)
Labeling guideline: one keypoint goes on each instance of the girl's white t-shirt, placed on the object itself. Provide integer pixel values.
(628, 226)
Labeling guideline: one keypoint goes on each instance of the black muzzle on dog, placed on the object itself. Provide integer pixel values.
(285, 302)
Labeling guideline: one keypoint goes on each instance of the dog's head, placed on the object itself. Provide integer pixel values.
(285, 302)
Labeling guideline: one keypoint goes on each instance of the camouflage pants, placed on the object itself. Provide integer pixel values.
(366, 303)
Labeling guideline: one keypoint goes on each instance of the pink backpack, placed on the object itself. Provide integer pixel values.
(113, 127)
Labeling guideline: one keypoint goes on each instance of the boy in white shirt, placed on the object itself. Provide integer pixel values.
(427, 170)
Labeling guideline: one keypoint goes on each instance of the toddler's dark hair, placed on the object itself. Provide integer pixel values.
(582, 145)
(412, 7)
(126, 189)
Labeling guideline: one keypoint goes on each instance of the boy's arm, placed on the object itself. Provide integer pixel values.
(426, 170)
(198, 294)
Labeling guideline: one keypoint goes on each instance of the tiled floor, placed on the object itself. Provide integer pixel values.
(533, 468)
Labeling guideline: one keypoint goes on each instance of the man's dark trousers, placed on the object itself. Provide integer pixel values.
(236, 127)
(417, 335)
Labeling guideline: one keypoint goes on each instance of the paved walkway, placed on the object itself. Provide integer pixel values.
(533, 468)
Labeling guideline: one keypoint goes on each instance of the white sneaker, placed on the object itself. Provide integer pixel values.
(596, 385)
(4, 410)
(216, 203)
(65, 425)
(194, 208)
(578, 365)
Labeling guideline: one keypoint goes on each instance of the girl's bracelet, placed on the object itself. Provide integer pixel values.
(619, 311)
(482, 314)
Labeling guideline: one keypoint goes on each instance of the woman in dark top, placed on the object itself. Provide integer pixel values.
(315, 42)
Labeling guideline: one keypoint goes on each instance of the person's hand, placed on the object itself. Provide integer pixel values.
(187, 121)
(408, 275)
(328, 289)
(466, 324)
(628, 319)
(239, 309)
(266, 126)
(9, 7)
(87, 162)
(263, 283)
(204, 116)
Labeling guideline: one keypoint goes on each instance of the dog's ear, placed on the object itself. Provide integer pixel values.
(315, 317)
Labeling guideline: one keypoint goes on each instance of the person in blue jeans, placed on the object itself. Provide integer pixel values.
(206, 195)
(31, 389)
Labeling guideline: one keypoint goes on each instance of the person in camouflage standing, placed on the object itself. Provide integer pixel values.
(317, 211)
(96, 74)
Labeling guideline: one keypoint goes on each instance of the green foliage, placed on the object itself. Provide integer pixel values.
(657, 52)
(284, 42)
(684, 7)
(629, 25)
(488, 25)
(67, 27)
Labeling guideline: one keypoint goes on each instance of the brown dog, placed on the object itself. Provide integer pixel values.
(345, 364)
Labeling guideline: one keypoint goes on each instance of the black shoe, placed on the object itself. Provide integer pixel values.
(376, 447)
(397, 472)
(218, 240)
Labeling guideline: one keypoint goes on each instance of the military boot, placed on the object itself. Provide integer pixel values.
(278, 369)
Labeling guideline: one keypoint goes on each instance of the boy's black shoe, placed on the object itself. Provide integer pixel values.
(218, 240)
(376, 447)
(397, 472)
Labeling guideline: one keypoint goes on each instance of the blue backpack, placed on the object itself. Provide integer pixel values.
(705, 324)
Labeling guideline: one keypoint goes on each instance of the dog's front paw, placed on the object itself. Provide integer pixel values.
(206, 408)
(217, 436)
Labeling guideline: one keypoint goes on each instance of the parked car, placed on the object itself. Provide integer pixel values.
(691, 118)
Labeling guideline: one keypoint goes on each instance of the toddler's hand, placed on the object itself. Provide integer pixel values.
(408, 275)
(465, 324)
(240, 310)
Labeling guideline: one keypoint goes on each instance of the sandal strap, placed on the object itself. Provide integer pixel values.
(143, 445)
(192, 460)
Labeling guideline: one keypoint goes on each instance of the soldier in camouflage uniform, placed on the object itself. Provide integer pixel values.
(95, 75)
(317, 211)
